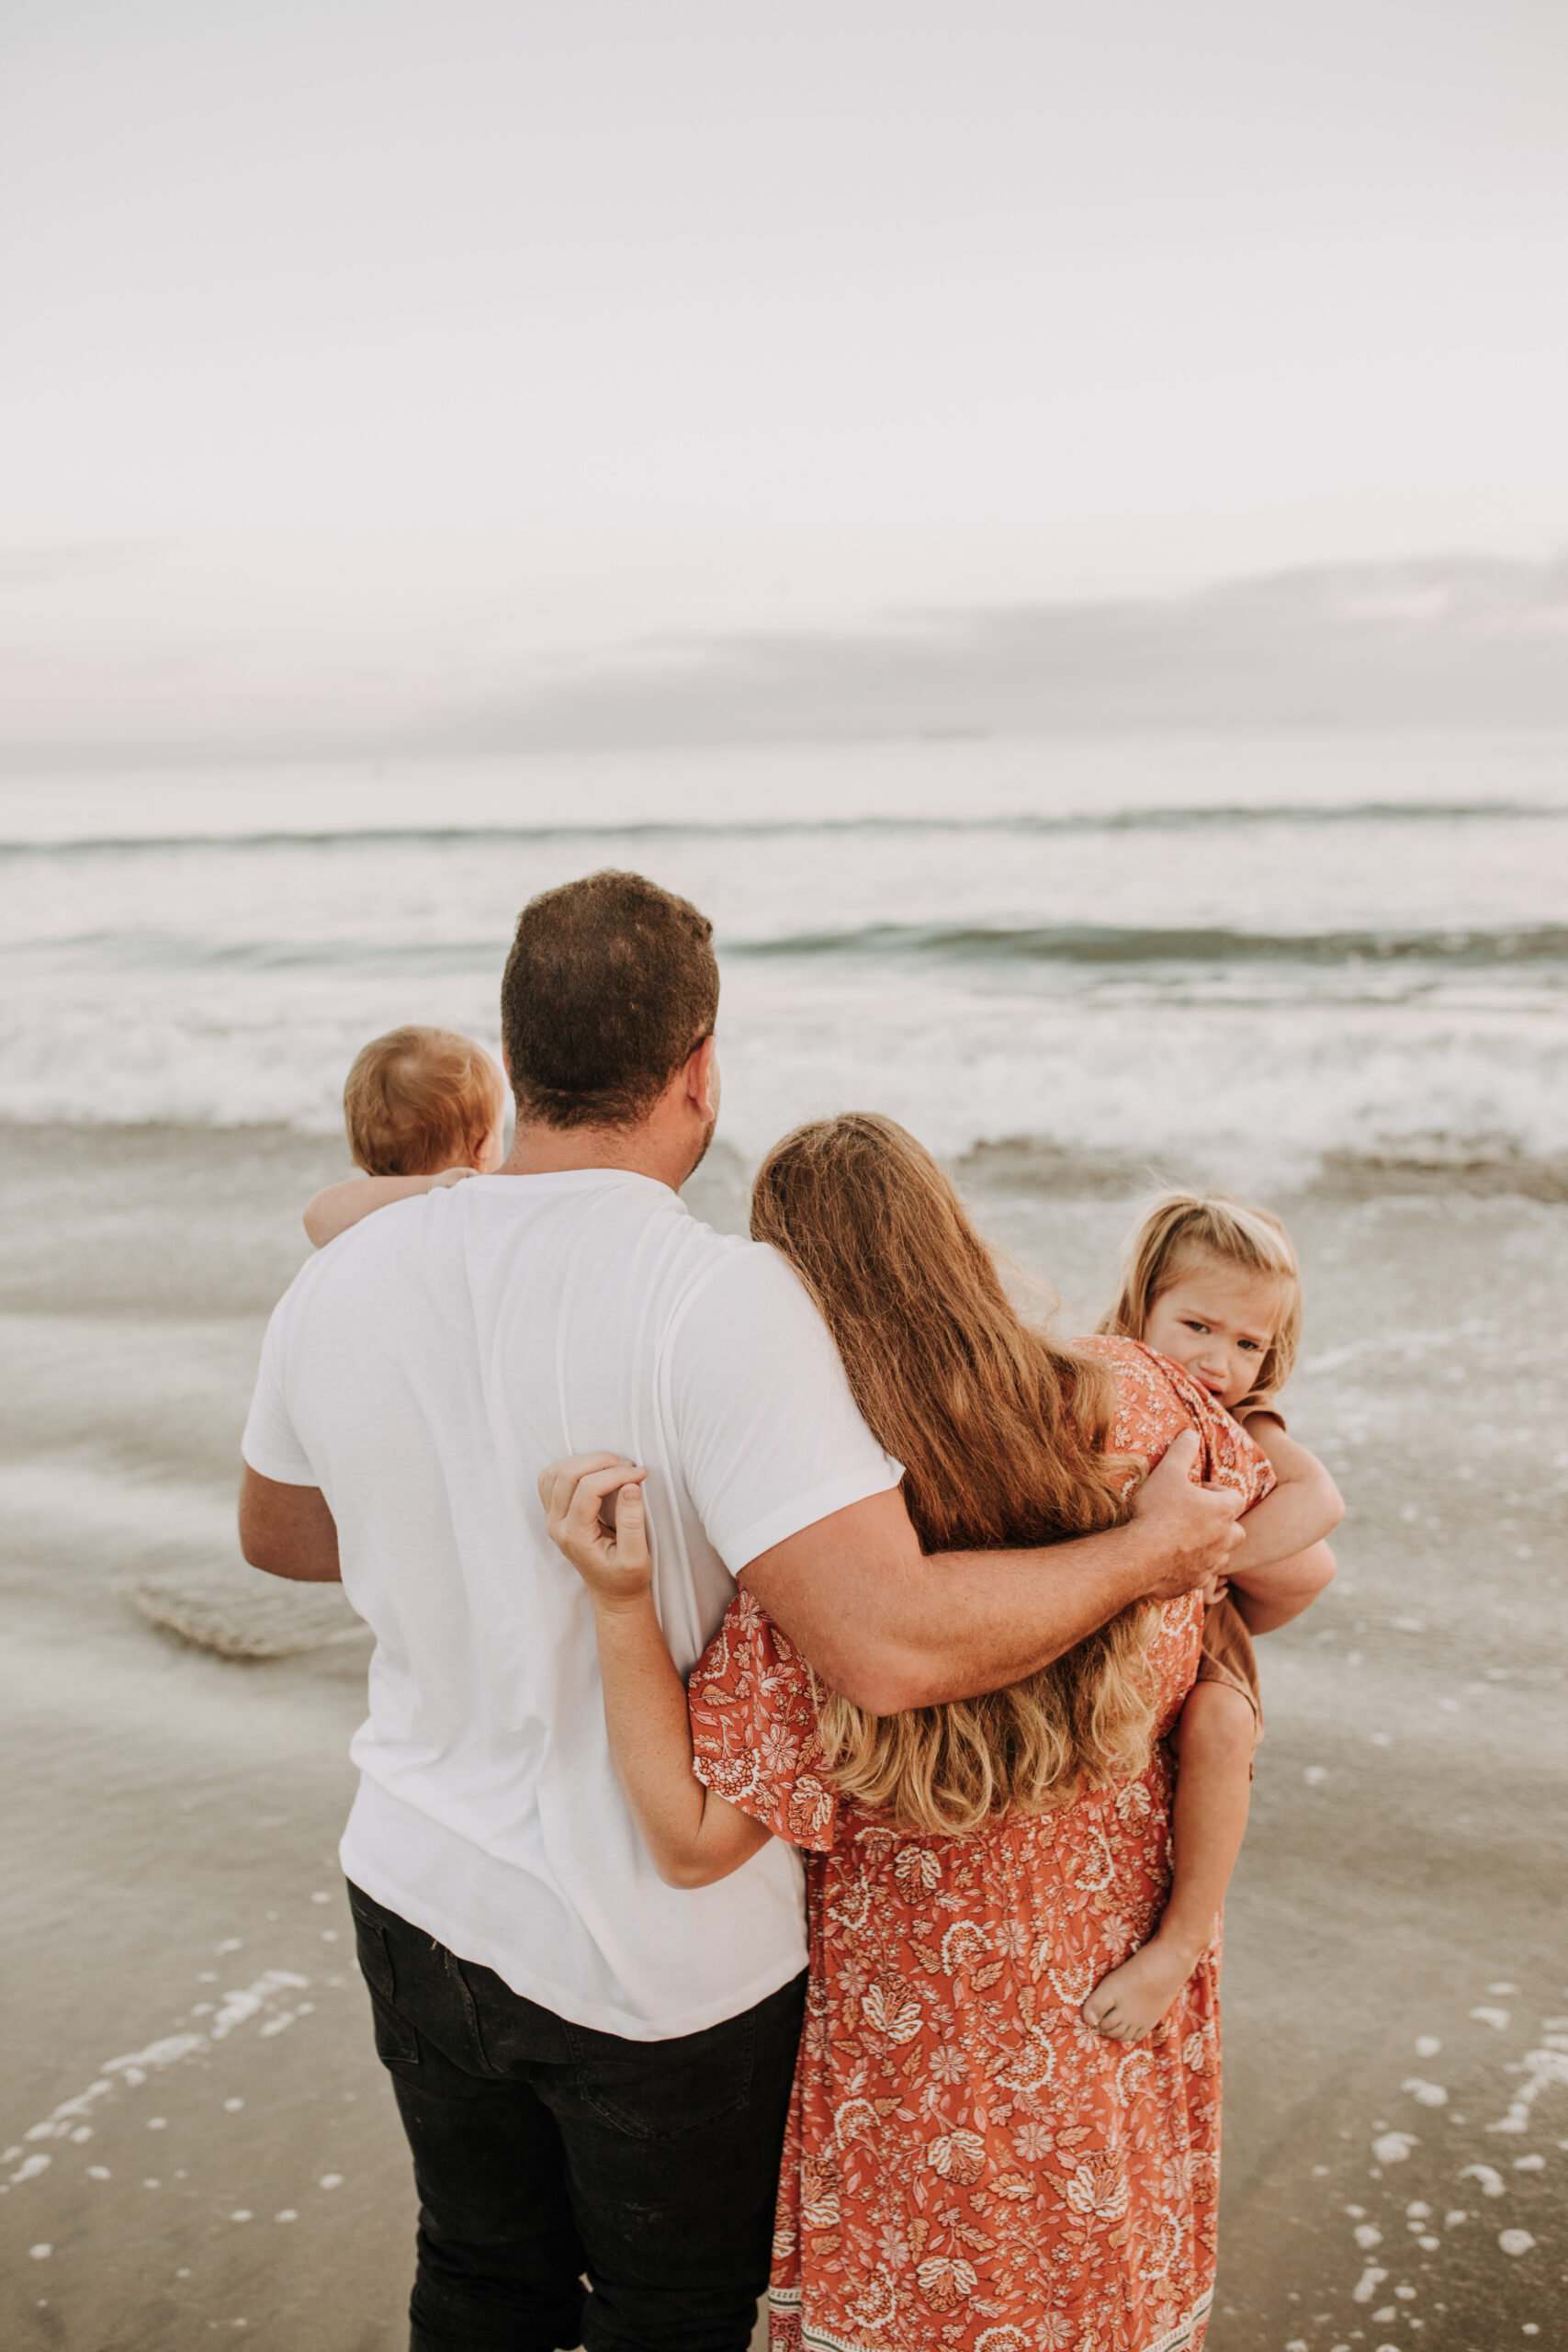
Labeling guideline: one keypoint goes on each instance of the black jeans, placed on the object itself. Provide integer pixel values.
(543, 2151)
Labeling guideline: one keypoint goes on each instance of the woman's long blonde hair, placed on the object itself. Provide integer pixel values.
(1178, 1232)
(1002, 1433)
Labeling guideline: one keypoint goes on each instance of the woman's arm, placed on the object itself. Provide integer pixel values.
(693, 1837)
(337, 1206)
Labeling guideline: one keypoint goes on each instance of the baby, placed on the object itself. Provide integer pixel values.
(1215, 1286)
(423, 1107)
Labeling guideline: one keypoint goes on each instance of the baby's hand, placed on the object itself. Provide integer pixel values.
(450, 1176)
(612, 1560)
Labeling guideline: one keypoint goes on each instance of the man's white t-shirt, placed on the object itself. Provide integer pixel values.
(420, 1371)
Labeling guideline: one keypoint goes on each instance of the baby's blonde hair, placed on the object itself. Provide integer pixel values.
(1182, 1229)
(420, 1100)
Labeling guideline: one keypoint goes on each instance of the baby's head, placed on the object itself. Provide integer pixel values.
(1214, 1284)
(418, 1101)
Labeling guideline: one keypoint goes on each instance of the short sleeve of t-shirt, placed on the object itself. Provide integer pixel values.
(770, 1438)
(270, 1444)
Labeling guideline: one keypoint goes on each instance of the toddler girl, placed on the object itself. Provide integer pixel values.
(1212, 1284)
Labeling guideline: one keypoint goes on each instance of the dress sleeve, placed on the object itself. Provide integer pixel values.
(1156, 1400)
(754, 1737)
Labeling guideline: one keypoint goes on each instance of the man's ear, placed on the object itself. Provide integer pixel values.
(702, 1079)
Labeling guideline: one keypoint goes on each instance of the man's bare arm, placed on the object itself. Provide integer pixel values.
(287, 1530)
(891, 1628)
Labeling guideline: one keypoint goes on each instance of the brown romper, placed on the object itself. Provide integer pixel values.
(1229, 1657)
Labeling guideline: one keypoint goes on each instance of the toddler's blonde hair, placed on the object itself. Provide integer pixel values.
(1179, 1231)
(420, 1100)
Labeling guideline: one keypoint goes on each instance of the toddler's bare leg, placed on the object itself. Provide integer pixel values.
(1215, 1742)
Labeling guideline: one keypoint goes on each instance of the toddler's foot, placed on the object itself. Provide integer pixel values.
(1131, 2000)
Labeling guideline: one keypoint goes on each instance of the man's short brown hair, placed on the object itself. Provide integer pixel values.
(610, 986)
(421, 1100)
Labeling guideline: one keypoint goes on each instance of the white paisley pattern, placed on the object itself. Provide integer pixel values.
(967, 2168)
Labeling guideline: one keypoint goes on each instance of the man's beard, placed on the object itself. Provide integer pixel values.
(702, 1153)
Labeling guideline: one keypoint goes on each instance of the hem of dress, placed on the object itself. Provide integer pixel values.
(786, 2302)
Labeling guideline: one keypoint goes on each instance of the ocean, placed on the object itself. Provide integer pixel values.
(1252, 960)
(1239, 959)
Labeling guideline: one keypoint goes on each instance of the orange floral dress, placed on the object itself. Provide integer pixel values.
(966, 2165)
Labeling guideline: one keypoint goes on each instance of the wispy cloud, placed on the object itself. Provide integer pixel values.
(1438, 644)
(54, 560)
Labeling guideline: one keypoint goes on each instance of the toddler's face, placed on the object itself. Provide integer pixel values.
(1218, 1323)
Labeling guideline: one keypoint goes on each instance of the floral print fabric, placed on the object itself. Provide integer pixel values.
(966, 2165)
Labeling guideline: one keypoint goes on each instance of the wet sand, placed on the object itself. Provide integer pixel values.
(183, 2012)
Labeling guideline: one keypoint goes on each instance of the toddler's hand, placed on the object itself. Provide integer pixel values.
(613, 1561)
(450, 1176)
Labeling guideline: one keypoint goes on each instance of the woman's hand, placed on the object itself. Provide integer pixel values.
(693, 1837)
(593, 1509)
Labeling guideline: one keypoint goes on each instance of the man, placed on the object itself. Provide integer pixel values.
(592, 2067)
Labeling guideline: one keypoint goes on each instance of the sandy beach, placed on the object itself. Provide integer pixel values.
(198, 2139)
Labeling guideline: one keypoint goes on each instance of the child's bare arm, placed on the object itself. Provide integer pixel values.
(693, 1837)
(1288, 1525)
(1281, 1592)
(337, 1206)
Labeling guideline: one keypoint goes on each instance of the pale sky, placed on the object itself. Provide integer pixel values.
(359, 352)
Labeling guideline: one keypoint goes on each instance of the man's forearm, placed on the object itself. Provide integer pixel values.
(892, 1629)
(913, 1632)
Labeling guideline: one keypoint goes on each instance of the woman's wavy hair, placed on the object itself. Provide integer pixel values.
(1002, 1433)
(1180, 1231)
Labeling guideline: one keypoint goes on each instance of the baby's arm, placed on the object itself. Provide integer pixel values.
(693, 1837)
(1214, 1736)
(1282, 1563)
(337, 1206)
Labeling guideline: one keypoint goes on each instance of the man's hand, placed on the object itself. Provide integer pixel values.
(1193, 1527)
(594, 1511)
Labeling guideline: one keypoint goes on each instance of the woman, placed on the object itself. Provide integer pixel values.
(968, 2163)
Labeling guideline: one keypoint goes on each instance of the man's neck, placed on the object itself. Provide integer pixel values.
(541, 1150)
